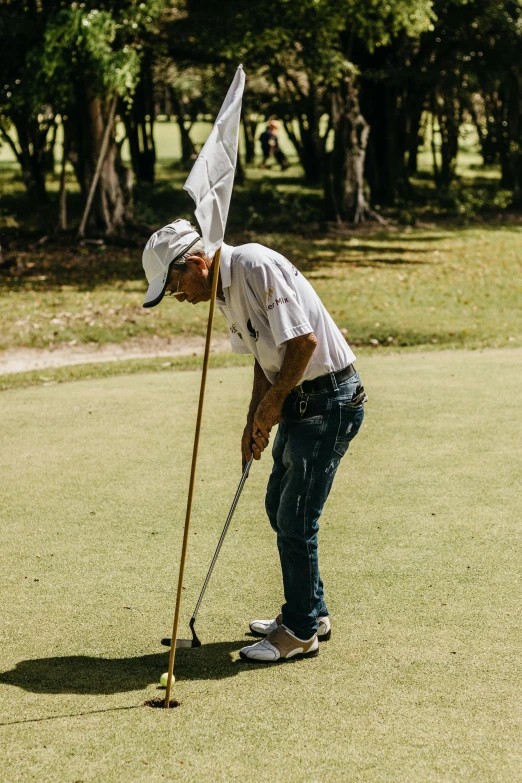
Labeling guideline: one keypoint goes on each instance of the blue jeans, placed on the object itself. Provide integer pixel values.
(313, 436)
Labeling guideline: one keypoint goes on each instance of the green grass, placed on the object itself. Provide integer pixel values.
(444, 287)
(79, 372)
(443, 284)
(420, 550)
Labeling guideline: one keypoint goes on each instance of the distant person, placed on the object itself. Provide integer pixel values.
(270, 145)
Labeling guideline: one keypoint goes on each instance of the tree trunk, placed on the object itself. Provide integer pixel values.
(304, 106)
(449, 116)
(62, 214)
(384, 164)
(249, 133)
(112, 203)
(415, 138)
(139, 126)
(433, 146)
(513, 91)
(393, 114)
(240, 171)
(344, 187)
(30, 154)
(309, 145)
(188, 150)
(49, 142)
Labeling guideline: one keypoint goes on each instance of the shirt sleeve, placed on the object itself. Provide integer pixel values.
(275, 299)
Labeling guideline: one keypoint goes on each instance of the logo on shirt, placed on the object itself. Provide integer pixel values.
(234, 330)
(268, 293)
(253, 332)
(279, 301)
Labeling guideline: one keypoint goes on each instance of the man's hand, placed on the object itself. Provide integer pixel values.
(249, 446)
(266, 405)
(268, 414)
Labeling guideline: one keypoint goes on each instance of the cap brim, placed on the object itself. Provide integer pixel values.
(156, 290)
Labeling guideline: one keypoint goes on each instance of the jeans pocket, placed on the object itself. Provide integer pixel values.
(350, 420)
(359, 397)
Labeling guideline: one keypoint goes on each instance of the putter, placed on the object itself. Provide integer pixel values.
(194, 642)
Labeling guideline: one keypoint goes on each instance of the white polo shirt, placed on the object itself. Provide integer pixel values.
(267, 302)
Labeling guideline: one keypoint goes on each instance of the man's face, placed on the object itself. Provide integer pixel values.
(193, 284)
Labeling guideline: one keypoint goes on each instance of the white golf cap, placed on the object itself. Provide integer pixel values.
(166, 246)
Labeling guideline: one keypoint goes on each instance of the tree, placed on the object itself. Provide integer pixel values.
(90, 56)
(309, 50)
(494, 56)
(139, 121)
(25, 106)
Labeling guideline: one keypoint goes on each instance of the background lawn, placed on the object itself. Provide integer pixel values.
(409, 288)
(420, 554)
(440, 283)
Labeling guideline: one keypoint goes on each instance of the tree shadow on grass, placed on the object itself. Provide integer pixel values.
(83, 674)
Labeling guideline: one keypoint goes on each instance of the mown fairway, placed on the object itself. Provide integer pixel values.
(420, 555)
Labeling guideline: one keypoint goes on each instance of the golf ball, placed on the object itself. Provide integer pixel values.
(164, 678)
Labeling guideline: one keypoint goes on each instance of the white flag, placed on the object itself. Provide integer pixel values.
(212, 177)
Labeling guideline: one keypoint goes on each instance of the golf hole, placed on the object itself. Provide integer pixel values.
(160, 703)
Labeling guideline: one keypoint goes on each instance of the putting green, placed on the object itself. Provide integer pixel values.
(420, 547)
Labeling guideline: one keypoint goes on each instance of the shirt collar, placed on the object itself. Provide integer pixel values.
(224, 265)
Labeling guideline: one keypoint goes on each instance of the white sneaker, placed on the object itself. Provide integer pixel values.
(280, 645)
(263, 627)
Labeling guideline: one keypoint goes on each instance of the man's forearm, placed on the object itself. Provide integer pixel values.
(259, 389)
(269, 411)
(298, 353)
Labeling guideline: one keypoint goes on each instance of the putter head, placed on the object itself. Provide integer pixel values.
(182, 643)
(194, 642)
(179, 642)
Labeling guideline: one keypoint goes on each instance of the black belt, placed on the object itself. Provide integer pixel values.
(325, 382)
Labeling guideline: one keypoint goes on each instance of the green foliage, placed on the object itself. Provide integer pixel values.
(48, 46)
(314, 34)
(448, 57)
(88, 41)
(377, 22)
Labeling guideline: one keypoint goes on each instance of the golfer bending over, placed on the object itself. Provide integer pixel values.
(304, 380)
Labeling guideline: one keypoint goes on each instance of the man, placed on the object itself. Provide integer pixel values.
(304, 380)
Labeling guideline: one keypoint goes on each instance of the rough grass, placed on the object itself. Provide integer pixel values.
(439, 285)
(459, 287)
(420, 547)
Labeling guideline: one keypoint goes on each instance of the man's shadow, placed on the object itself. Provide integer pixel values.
(86, 675)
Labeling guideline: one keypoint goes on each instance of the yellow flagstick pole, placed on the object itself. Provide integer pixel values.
(172, 657)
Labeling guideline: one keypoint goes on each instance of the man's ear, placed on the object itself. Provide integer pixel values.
(197, 261)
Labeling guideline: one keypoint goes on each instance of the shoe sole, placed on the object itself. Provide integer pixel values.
(325, 637)
(299, 656)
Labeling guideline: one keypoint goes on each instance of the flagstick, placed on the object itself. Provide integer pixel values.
(215, 267)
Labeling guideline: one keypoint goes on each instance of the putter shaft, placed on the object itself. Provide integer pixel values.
(194, 642)
(223, 534)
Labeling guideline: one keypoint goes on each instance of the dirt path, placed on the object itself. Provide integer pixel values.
(25, 359)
